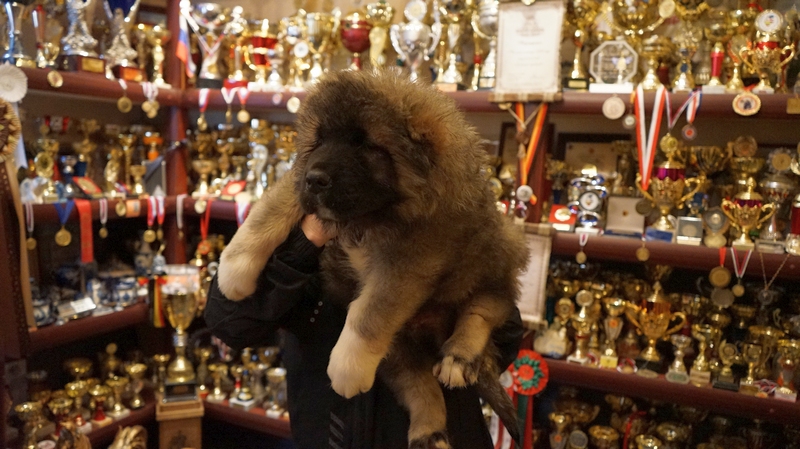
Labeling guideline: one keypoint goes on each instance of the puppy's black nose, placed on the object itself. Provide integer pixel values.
(317, 181)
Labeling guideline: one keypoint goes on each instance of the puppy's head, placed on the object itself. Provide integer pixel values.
(375, 146)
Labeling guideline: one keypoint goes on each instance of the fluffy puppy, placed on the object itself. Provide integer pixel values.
(395, 168)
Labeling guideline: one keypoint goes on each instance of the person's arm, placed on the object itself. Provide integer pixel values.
(281, 286)
(508, 338)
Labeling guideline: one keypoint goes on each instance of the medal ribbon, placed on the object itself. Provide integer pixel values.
(87, 236)
(160, 210)
(152, 210)
(204, 222)
(202, 99)
(179, 210)
(29, 218)
(691, 112)
(533, 144)
(227, 95)
(150, 90)
(672, 120)
(242, 210)
(124, 85)
(244, 94)
(64, 210)
(103, 211)
(583, 237)
(646, 142)
(740, 268)
(722, 254)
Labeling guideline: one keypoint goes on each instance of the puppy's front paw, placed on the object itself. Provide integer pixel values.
(237, 277)
(352, 366)
(436, 440)
(455, 372)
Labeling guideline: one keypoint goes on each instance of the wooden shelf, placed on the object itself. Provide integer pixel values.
(623, 249)
(220, 209)
(53, 336)
(92, 85)
(255, 419)
(48, 213)
(103, 436)
(713, 399)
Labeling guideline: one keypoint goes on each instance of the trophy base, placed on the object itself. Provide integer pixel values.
(653, 234)
(576, 83)
(179, 391)
(763, 90)
(747, 246)
(649, 365)
(714, 90)
(86, 428)
(622, 88)
(208, 83)
(609, 362)
(486, 82)
(677, 377)
(748, 388)
(728, 383)
(119, 415)
(449, 87)
(216, 399)
(689, 232)
(770, 246)
(275, 413)
(700, 378)
(578, 360)
(242, 405)
(78, 63)
(785, 394)
(134, 74)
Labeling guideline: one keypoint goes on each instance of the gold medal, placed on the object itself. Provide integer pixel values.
(121, 208)
(149, 236)
(644, 207)
(668, 143)
(180, 234)
(55, 79)
(738, 290)
(642, 254)
(103, 232)
(152, 113)
(204, 247)
(147, 107)
(200, 206)
(722, 297)
(202, 124)
(63, 237)
(124, 104)
(719, 277)
(229, 115)
(243, 116)
(160, 233)
(580, 257)
(293, 105)
(30, 243)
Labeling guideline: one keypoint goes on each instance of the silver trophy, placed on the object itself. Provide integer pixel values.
(210, 17)
(777, 188)
(120, 15)
(14, 53)
(413, 40)
(484, 22)
(79, 40)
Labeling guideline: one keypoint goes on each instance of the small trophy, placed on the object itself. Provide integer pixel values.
(728, 355)
(355, 35)
(582, 322)
(764, 55)
(120, 55)
(747, 212)
(484, 23)
(320, 29)
(612, 325)
(413, 40)
(78, 45)
(118, 385)
(652, 320)
(14, 53)
(613, 64)
(211, 17)
(157, 36)
(449, 77)
(276, 377)
(31, 414)
(786, 363)
(47, 47)
(180, 305)
(266, 52)
(778, 190)
(380, 14)
(706, 335)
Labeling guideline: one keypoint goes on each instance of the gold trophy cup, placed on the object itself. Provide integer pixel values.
(180, 299)
(666, 189)
(652, 320)
(747, 212)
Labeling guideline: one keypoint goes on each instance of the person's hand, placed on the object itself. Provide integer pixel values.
(315, 231)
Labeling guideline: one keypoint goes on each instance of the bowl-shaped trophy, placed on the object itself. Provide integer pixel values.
(321, 27)
(652, 319)
(777, 188)
(355, 31)
(747, 211)
(413, 40)
(31, 414)
(666, 191)
(380, 15)
(655, 50)
(635, 19)
(484, 23)
(266, 52)
(211, 17)
(180, 299)
(157, 37)
(14, 53)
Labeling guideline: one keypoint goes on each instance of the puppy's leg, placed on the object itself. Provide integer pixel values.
(266, 227)
(388, 299)
(461, 362)
(421, 394)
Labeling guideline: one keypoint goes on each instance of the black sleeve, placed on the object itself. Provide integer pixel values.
(281, 286)
(508, 338)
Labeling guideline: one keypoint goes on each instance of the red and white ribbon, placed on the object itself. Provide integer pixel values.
(202, 99)
(103, 211)
(673, 119)
(244, 94)
(150, 90)
(152, 211)
(228, 95)
(646, 141)
(694, 105)
(160, 211)
(123, 84)
(242, 210)
(179, 210)
(583, 237)
(740, 268)
(29, 217)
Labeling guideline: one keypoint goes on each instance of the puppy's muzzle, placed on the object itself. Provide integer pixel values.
(317, 181)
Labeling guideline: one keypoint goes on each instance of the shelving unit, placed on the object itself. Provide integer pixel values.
(103, 436)
(254, 419)
(48, 212)
(722, 401)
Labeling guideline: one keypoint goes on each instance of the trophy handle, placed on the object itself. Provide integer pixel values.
(698, 182)
(770, 208)
(477, 29)
(644, 192)
(776, 318)
(630, 313)
(394, 30)
(746, 51)
(725, 205)
(436, 30)
(788, 59)
(679, 325)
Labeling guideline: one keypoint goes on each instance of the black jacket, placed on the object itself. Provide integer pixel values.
(289, 297)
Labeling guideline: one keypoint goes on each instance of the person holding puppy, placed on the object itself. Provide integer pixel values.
(290, 296)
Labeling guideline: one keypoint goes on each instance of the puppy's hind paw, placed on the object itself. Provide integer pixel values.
(237, 277)
(436, 440)
(455, 372)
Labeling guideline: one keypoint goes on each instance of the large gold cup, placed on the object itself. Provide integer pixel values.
(31, 414)
(666, 190)
(747, 211)
(652, 320)
(635, 18)
(180, 309)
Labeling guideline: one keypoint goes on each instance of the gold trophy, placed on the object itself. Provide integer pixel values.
(786, 363)
(764, 55)
(218, 371)
(710, 159)
(747, 212)
(635, 19)
(652, 320)
(677, 369)
(118, 385)
(706, 336)
(355, 36)
(612, 325)
(60, 408)
(100, 394)
(752, 355)
(767, 337)
(137, 188)
(741, 22)
(728, 355)
(603, 437)
(580, 16)
(180, 305)
(76, 391)
(380, 14)
(31, 414)
(718, 31)
(321, 28)
(582, 323)
(136, 371)
(157, 36)
(655, 50)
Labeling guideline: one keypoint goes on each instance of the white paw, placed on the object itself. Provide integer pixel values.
(352, 366)
(450, 373)
(237, 277)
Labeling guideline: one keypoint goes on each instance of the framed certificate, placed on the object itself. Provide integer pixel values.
(528, 44)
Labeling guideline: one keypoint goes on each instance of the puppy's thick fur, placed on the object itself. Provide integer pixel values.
(432, 265)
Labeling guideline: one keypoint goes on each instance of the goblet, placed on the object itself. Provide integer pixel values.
(218, 371)
(355, 36)
(118, 385)
(380, 14)
(31, 414)
(136, 371)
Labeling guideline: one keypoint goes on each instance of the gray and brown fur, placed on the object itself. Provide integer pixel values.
(432, 265)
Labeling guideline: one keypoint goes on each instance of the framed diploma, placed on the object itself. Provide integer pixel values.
(528, 60)
(533, 281)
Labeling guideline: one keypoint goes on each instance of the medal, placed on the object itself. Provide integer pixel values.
(121, 208)
(613, 108)
(691, 105)
(227, 96)
(179, 213)
(746, 104)
(668, 144)
(124, 104)
(293, 104)
(200, 206)
(63, 237)
(30, 242)
(581, 257)
(642, 253)
(202, 100)
(103, 232)
(149, 235)
(689, 132)
(720, 276)
(204, 247)
(644, 207)
(243, 116)
(160, 217)
(55, 79)
(740, 268)
(764, 296)
(722, 297)
(629, 121)
(151, 106)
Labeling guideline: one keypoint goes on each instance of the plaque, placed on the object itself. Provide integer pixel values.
(690, 231)
(622, 217)
(613, 64)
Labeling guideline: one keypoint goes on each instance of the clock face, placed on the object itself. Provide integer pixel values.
(590, 200)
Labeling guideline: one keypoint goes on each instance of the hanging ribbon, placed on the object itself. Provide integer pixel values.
(103, 216)
(152, 211)
(243, 93)
(201, 39)
(64, 210)
(160, 216)
(530, 374)
(202, 99)
(29, 217)
(228, 95)
(694, 105)
(672, 120)
(740, 267)
(533, 144)
(242, 210)
(87, 235)
(179, 212)
(204, 247)
(646, 142)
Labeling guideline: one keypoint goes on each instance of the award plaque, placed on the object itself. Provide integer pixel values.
(716, 223)
(613, 64)
(690, 231)
(622, 218)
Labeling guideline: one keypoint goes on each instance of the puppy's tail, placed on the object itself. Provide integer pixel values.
(269, 223)
(490, 389)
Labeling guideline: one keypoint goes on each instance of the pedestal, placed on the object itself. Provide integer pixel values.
(119, 415)
(78, 63)
(621, 88)
(726, 383)
(677, 377)
(713, 90)
(103, 423)
(180, 424)
(785, 394)
(134, 74)
(770, 247)
(609, 362)
(700, 378)
(242, 405)
(85, 428)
